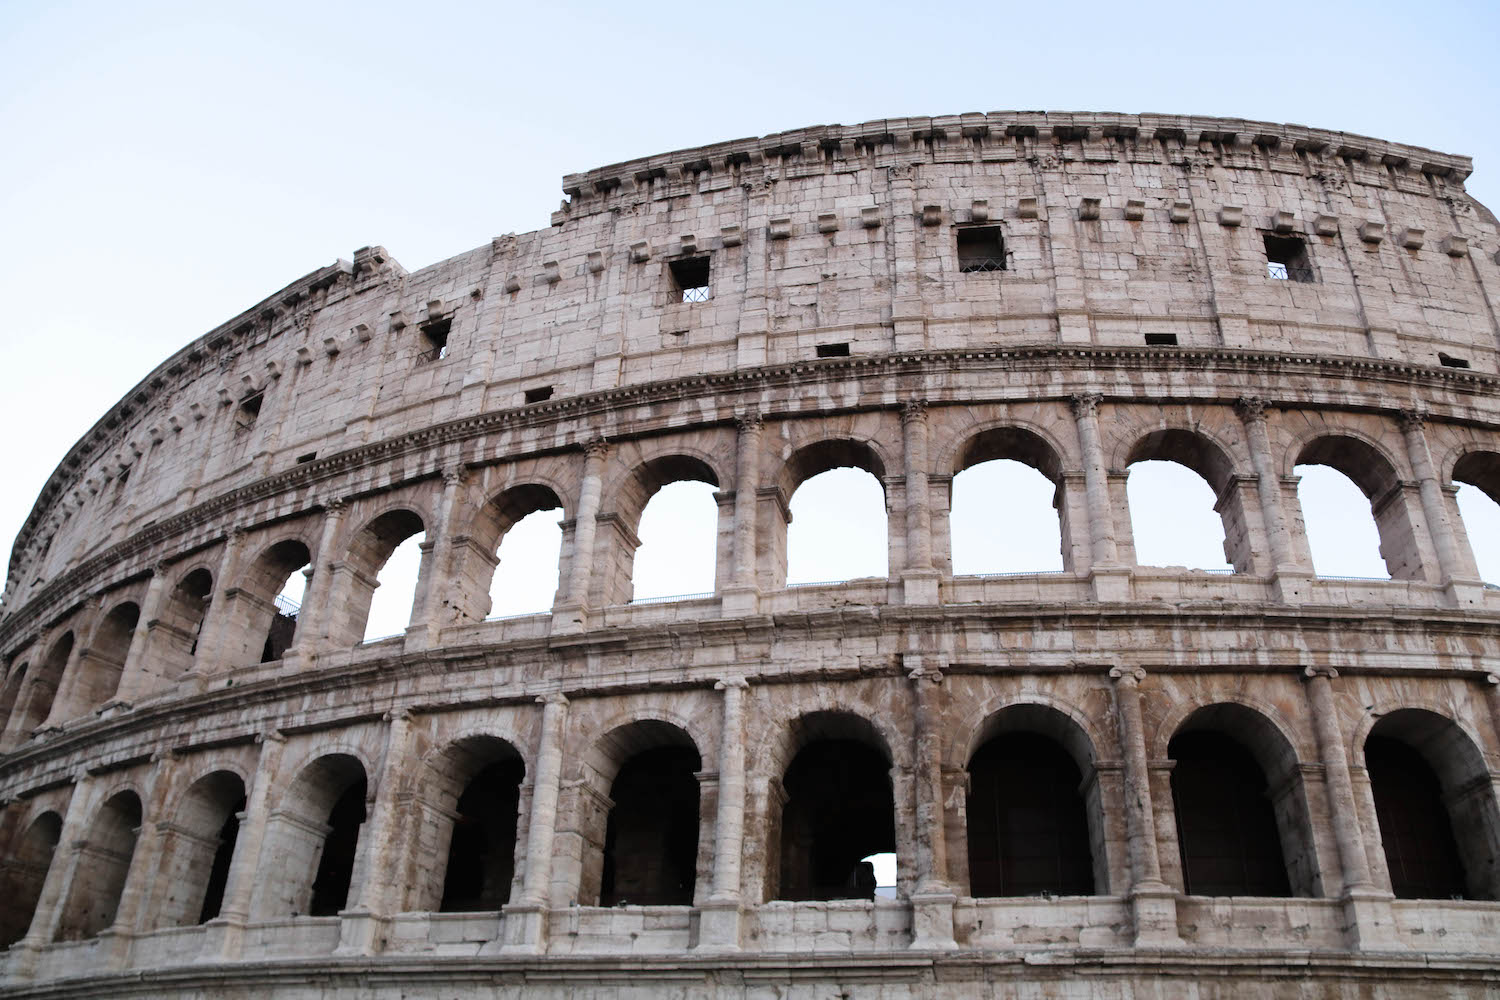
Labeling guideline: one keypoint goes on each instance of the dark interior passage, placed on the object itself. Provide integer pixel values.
(1226, 826)
(651, 840)
(1420, 849)
(336, 867)
(21, 879)
(1028, 831)
(839, 810)
(482, 852)
(218, 874)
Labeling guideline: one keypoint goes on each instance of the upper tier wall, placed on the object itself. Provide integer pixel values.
(1114, 227)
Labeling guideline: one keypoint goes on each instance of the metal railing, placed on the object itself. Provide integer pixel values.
(695, 294)
(970, 265)
(669, 598)
(286, 606)
(1005, 576)
(436, 354)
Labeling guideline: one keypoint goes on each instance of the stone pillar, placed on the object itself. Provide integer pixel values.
(1111, 580)
(919, 580)
(145, 865)
(1291, 579)
(1492, 696)
(742, 596)
(360, 925)
(225, 933)
(932, 902)
(59, 881)
(525, 920)
(216, 618)
(315, 619)
(719, 926)
(1153, 903)
(571, 614)
(438, 569)
(132, 683)
(1369, 921)
(1460, 578)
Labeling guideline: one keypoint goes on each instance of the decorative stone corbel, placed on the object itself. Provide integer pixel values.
(1027, 208)
(1231, 215)
(730, 236)
(1088, 209)
(687, 243)
(362, 332)
(780, 228)
(1412, 238)
(979, 211)
(1372, 231)
(513, 283)
(1135, 210)
(869, 217)
(828, 222)
(304, 355)
(551, 272)
(1456, 246)
(1283, 221)
(596, 261)
(640, 252)
(1181, 211)
(273, 370)
(1326, 225)
(932, 215)
(330, 346)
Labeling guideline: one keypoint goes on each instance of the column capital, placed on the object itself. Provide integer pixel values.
(595, 447)
(333, 504)
(1412, 419)
(401, 714)
(1492, 679)
(1127, 676)
(555, 698)
(738, 683)
(270, 736)
(236, 532)
(159, 568)
(455, 475)
(750, 420)
(913, 409)
(1085, 404)
(1252, 409)
(920, 674)
(1319, 671)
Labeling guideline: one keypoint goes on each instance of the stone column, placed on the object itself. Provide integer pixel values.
(919, 580)
(719, 927)
(932, 903)
(1459, 576)
(525, 921)
(315, 619)
(59, 881)
(742, 596)
(437, 571)
(1492, 696)
(136, 660)
(1370, 922)
(145, 865)
(225, 933)
(1111, 580)
(210, 653)
(360, 924)
(571, 615)
(1153, 903)
(1291, 578)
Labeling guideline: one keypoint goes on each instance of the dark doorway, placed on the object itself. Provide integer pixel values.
(839, 811)
(1226, 826)
(218, 875)
(1028, 831)
(482, 853)
(651, 840)
(1420, 849)
(336, 867)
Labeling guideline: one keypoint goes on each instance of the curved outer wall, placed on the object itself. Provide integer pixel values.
(326, 418)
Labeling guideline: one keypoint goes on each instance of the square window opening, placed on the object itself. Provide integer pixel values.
(435, 335)
(690, 278)
(539, 394)
(981, 248)
(248, 411)
(1449, 361)
(1161, 340)
(304, 459)
(1286, 259)
(833, 350)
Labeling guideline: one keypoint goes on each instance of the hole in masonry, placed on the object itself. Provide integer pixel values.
(539, 394)
(833, 350)
(1161, 340)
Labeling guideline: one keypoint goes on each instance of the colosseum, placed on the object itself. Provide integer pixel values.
(1112, 780)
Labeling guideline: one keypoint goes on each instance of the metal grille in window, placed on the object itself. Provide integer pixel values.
(436, 335)
(1286, 259)
(981, 249)
(436, 354)
(690, 278)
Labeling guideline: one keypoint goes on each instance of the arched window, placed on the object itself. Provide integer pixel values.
(100, 665)
(1478, 477)
(175, 638)
(35, 700)
(1436, 808)
(311, 841)
(350, 618)
(197, 869)
(838, 528)
(679, 538)
(25, 874)
(1007, 513)
(10, 693)
(1337, 518)
(647, 850)
(478, 784)
(260, 617)
(1029, 824)
(1177, 517)
(103, 864)
(522, 527)
(839, 810)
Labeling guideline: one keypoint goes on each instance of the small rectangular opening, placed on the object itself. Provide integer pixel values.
(690, 278)
(435, 334)
(1449, 361)
(981, 248)
(1161, 340)
(539, 394)
(1286, 258)
(833, 350)
(304, 459)
(248, 411)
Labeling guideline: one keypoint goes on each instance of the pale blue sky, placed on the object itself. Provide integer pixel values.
(164, 166)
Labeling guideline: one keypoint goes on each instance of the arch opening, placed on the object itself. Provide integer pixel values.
(176, 633)
(1435, 806)
(10, 693)
(679, 529)
(368, 567)
(836, 524)
(1477, 475)
(39, 694)
(1000, 521)
(260, 623)
(523, 527)
(196, 870)
(103, 863)
(481, 862)
(311, 841)
(1353, 511)
(102, 663)
(25, 874)
(1184, 507)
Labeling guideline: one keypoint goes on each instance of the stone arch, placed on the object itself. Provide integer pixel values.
(1479, 469)
(355, 580)
(25, 872)
(1377, 473)
(311, 838)
(101, 867)
(174, 639)
(804, 463)
(1009, 440)
(35, 703)
(101, 663)
(199, 848)
(10, 692)
(1239, 800)
(638, 816)
(1438, 842)
(1201, 452)
(478, 561)
(1035, 817)
(838, 808)
(468, 800)
(629, 497)
(255, 629)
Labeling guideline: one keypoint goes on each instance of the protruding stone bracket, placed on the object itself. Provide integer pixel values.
(1372, 231)
(1231, 215)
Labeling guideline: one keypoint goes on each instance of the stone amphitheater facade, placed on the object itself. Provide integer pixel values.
(1259, 783)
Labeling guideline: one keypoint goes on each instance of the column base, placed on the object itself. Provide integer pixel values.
(1464, 593)
(920, 586)
(223, 940)
(932, 921)
(1370, 921)
(719, 926)
(1110, 583)
(1153, 913)
(361, 932)
(112, 708)
(739, 602)
(523, 929)
(1291, 586)
(114, 947)
(569, 619)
